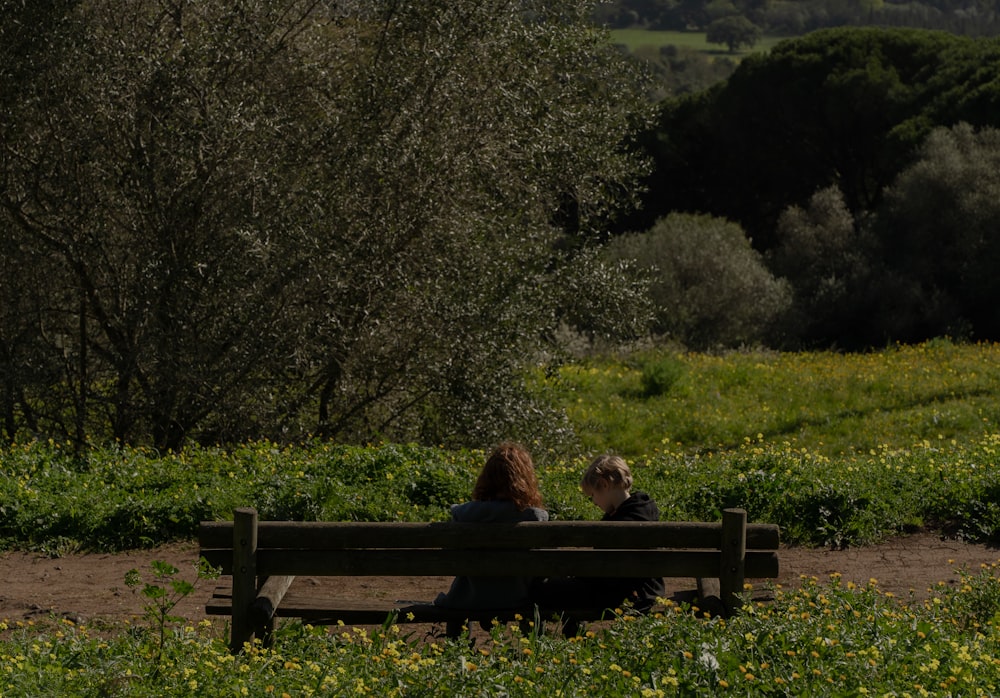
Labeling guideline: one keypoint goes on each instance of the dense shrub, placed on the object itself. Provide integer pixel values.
(824, 256)
(710, 286)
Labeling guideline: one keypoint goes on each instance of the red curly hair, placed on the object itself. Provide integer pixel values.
(509, 475)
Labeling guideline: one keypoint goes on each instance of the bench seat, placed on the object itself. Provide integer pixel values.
(316, 610)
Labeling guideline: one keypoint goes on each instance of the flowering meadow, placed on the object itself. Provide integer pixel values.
(837, 450)
(825, 638)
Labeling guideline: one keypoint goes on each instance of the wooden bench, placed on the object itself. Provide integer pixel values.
(264, 557)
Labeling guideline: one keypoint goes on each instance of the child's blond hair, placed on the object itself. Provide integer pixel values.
(610, 469)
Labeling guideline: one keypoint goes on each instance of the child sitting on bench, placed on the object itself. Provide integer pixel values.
(608, 484)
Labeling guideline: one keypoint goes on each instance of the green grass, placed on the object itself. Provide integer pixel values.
(827, 403)
(636, 39)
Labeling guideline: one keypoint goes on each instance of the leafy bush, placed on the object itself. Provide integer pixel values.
(817, 500)
(710, 287)
(938, 235)
(660, 375)
(825, 258)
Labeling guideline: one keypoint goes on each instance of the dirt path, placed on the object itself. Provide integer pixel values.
(90, 587)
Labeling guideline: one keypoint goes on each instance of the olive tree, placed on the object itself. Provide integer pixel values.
(283, 217)
(32, 36)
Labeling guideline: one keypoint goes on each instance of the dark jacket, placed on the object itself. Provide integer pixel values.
(642, 592)
(490, 592)
(638, 507)
(606, 592)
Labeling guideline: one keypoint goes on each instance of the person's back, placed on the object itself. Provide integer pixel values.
(642, 593)
(506, 491)
(490, 592)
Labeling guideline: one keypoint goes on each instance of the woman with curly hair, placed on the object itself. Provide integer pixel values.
(505, 491)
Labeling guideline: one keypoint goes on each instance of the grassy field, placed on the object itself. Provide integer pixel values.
(838, 450)
(635, 39)
(826, 403)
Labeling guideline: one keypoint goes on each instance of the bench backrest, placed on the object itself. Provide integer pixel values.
(581, 548)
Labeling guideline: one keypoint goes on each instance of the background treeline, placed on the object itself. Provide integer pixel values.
(840, 191)
(675, 49)
(795, 17)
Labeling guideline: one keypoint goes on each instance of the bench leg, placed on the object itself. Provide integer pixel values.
(733, 563)
(244, 576)
(269, 596)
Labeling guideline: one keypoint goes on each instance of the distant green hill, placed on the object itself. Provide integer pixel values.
(636, 39)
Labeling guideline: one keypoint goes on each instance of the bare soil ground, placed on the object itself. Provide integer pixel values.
(91, 587)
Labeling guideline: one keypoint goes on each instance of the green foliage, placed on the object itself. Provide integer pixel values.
(682, 70)
(827, 637)
(849, 111)
(826, 402)
(827, 259)
(709, 286)
(734, 31)
(639, 40)
(163, 594)
(113, 499)
(840, 449)
(922, 264)
(937, 232)
(682, 62)
(846, 106)
(882, 236)
(924, 434)
(792, 18)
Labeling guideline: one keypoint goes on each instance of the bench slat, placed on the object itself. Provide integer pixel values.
(497, 563)
(326, 535)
